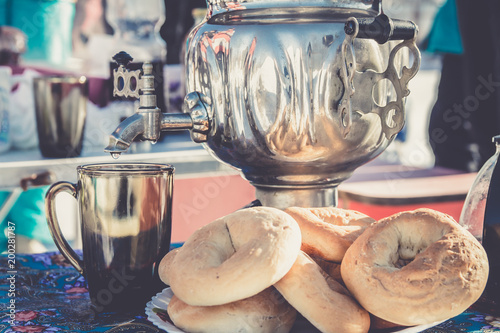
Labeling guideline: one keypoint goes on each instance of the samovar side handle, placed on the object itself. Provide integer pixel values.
(380, 29)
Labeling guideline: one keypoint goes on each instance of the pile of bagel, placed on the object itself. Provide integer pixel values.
(256, 269)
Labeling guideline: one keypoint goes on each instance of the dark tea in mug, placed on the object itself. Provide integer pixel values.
(125, 212)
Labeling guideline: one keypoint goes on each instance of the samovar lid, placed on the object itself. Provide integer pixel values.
(373, 7)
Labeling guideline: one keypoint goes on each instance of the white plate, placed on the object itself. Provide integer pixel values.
(161, 300)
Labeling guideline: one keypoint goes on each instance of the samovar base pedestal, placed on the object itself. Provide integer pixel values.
(283, 197)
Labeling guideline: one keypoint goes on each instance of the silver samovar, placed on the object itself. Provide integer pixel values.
(294, 94)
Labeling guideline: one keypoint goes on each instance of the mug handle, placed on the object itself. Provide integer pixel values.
(55, 229)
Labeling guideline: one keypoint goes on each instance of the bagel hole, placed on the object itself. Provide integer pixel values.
(412, 241)
(402, 263)
(405, 255)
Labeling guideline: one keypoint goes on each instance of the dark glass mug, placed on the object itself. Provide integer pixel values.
(125, 211)
(61, 111)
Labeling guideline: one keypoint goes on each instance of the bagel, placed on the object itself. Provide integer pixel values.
(377, 323)
(266, 312)
(324, 302)
(415, 268)
(235, 257)
(328, 232)
(164, 266)
(329, 267)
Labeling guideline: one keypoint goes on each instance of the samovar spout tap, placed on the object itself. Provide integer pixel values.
(123, 136)
(149, 121)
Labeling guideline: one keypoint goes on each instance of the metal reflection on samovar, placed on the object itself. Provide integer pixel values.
(294, 94)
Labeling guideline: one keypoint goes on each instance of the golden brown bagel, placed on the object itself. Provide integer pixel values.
(322, 300)
(328, 232)
(266, 312)
(377, 323)
(165, 265)
(235, 257)
(415, 268)
(329, 267)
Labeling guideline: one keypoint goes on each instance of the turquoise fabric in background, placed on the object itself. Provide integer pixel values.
(47, 24)
(28, 216)
(444, 36)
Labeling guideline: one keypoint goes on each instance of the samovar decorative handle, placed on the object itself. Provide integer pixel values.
(381, 29)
